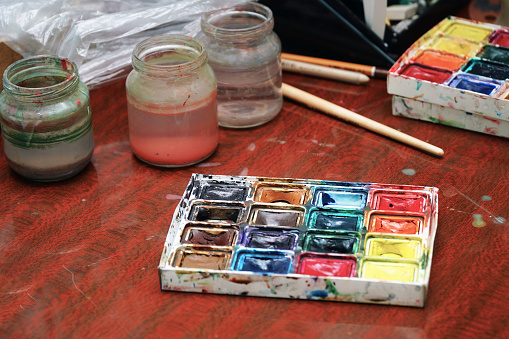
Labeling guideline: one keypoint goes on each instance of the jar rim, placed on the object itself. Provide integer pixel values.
(44, 65)
(180, 46)
(252, 9)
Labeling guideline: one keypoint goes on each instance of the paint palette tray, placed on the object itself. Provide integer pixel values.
(303, 239)
(456, 74)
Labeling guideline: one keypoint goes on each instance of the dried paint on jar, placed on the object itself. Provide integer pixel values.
(172, 104)
(46, 119)
(245, 55)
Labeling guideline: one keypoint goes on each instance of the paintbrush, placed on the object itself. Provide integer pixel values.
(324, 72)
(329, 108)
(371, 71)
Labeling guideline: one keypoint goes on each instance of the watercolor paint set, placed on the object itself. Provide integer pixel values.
(302, 239)
(456, 74)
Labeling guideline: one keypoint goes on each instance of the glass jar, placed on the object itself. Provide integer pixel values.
(46, 118)
(245, 55)
(172, 102)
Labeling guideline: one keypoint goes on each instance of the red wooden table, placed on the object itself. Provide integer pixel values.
(79, 258)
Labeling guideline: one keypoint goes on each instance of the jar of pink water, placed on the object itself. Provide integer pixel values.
(171, 102)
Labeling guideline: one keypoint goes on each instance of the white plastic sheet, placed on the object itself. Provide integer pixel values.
(98, 36)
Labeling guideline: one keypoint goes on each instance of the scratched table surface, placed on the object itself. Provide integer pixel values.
(79, 258)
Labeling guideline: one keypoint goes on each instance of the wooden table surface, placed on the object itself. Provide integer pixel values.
(79, 258)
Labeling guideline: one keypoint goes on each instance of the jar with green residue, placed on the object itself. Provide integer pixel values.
(46, 119)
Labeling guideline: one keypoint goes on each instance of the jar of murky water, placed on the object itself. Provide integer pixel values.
(171, 102)
(46, 118)
(245, 55)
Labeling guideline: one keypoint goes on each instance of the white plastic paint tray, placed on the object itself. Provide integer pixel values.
(302, 239)
(455, 74)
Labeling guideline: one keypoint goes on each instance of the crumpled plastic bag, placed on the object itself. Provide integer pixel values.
(99, 36)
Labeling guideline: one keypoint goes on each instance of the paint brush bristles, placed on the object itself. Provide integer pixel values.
(324, 72)
(329, 108)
